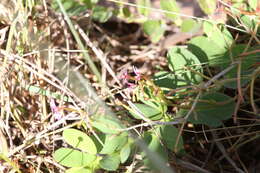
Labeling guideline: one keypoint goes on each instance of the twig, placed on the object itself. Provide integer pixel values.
(100, 55)
(222, 149)
(153, 123)
(77, 38)
(191, 166)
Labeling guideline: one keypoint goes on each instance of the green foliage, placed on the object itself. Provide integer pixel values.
(154, 29)
(114, 143)
(107, 124)
(206, 50)
(171, 6)
(208, 6)
(80, 140)
(73, 158)
(188, 67)
(145, 3)
(179, 59)
(190, 25)
(148, 111)
(253, 4)
(110, 162)
(116, 149)
(169, 136)
(247, 63)
(101, 14)
(212, 109)
(72, 7)
(78, 170)
(218, 34)
(125, 152)
(153, 143)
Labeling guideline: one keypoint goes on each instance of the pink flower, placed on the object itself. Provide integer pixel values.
(126, 78)
(137, 73)
(55, 110)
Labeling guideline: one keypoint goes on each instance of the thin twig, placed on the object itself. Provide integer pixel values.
(222, 149)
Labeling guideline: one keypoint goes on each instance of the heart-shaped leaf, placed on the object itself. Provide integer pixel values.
(73, 158)
(79, 140)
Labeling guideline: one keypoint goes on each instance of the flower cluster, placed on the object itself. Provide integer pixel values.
(127, 78)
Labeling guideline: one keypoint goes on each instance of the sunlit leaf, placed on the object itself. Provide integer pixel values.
(154, 29)
(179, 59)
(73, 158)
(80, 140)
(144, 3)
(208, 6)
(171, 6)
(207, 50)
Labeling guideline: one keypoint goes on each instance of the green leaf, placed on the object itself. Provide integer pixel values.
(79, 170)
(171, 6)
(246, 66)
(125, 153)
(145, 3)
(114, 143)
(72, 7)
(253, 4)
(110, 163)
(148, 111)
(154, 145)
(190, 25)
(165, 79)
(79, 140)
(126, 12)
(219, 34)
(101, 14)
(213, 108)
(206, 50)
(250, 22)
(169, 136)
(208, 6)
(154, 29)
(179, 59)
(73, 158)
(107, 124)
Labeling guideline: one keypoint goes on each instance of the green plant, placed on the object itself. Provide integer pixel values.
(192, 89)
(87, 155)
